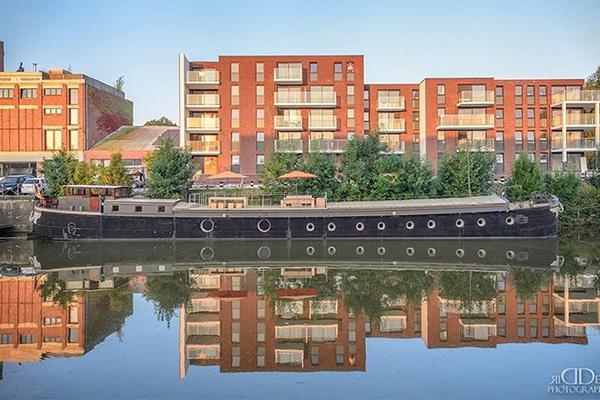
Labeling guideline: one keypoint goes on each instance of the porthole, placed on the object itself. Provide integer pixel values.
(410, 251)
(310, 227)
(207, 253)
(381, 225)
(331, 227)
(431, 252)
(460, 253)
(481, 222)
(264, 225)
(431, 224)
(360, 226)
(510, 254)
(510, 221)
(460, 223)
(410, 225)
(381, 251)
(207, 225)
(310, 250)
(360, 250)
(264, 252)
(481, 253)
(331, 250)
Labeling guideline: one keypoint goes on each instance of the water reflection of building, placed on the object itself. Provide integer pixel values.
(242, 320)
(576, 304)
(32, 328)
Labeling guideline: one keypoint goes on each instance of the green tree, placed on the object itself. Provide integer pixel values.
(277, 165)
(323, 166)
(59, 171)
(55, 290)
(120, 83)
(593, 81)
(468, 288)
(526, 178)
(567, 187)
(115, 173)
(167, 293)
(86, 173)
(466, 173)
(403, 178)
(169, 171)
(162, 121)
(359, 166)
(527, 282)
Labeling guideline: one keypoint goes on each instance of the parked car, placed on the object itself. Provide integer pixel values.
(29, 186)
(11, 184)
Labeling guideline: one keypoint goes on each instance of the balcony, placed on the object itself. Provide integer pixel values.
(486, 144)
(391, 125)
(316, 99)
(469, 98)
(203, 124)
(322, 122)
(393, 146)
(205, 147)
(288, 146)
(203, 101)
(465, 122)
(575, 97)
(574, 144)
(327, 145)
(391, 103)
(575, 121)
(288, 123)
(204, 78)
(289, 75)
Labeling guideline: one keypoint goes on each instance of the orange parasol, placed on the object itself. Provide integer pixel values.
(226, 175)
(297, 175)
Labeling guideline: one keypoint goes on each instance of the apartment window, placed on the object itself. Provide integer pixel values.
(543, 117)
(543, 141)
(350, 95)
(518, 117)
(441, 94)
(235, 141)
(499, 95)
(260, 141)
(6, 93)
(443, 331)
(337, 71)
(51, 339)
(52, 111)
(350, 118)
(235, 309)
(235, 357)
(543, 95)
(533, 330)
(339, 355)
(531, 117)
(235, 72)
(518, 95)
(260, 72)
(28, 93)
(314, 355)
(313, 69)
(235, 95)
(499, 140)
(501, 327)
(235, 163)
(48, 321)
(260, 309)
(235, 118)
(530, 94)
(544, 161)
(440, 113)
(499, 118)
(27, 339)
(260, 118)
(72, 335)
(350, 71)
(501, 300)
(441, 141)
(6, 338)
(415, 120)
(73, 96)
(52, 91)
(415, 98)
(235, 332)
(53, 139)
(533, 307)
(260, 331)
(352, 331)
(366, 119)
(530, 140)
(260, 95)
(260, 357)
(74, 139)
(519, 140)
(521, 327)
(350, 135)
(73, 116)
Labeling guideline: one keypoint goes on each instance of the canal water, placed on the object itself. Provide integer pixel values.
(304, 319)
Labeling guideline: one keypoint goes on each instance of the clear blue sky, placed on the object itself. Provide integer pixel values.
(402, 41)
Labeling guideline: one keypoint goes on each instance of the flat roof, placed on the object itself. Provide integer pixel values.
(137, 138)
(96, 186)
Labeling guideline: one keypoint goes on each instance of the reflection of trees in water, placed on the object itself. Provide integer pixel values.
(528, 282)
(470, 288)
(578, 254)
(55, 290)
(168, 293)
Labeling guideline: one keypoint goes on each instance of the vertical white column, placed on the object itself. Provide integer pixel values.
(564, 132)
(183, 67)
(597, 124)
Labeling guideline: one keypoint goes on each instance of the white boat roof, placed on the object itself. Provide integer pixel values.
(447, 203)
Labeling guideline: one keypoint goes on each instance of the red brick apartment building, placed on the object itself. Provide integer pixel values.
(237, 110)
(41, 112)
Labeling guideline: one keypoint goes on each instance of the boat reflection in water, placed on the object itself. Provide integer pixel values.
(292, 305)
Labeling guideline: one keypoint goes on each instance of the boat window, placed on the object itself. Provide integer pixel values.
(161, 209)
(138, 208)
(115, 208)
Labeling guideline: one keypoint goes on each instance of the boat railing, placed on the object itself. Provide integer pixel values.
(254, 199)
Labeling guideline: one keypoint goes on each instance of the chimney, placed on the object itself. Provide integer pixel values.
(1, 56)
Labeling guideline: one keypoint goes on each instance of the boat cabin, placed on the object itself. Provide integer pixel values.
(90, 197)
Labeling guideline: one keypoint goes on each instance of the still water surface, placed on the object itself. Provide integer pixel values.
(302, 319)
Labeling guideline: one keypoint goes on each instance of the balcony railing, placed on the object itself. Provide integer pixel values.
(574, 120)
(393, 146)
(206, 76)
(322, 122)
(576, 96)
(203, 100)
(391, 103)
(288, 122)
(204, 147)
(288, 146)
(475, 98)
(203, 123)
(486, 144)
(305, 99)
(392, 125)
(327, 145)
(291, 74)
(466, 121)
(574, 143)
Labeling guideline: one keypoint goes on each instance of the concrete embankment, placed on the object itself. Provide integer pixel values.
(15, 211)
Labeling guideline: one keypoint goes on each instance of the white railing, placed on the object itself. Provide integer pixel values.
(466, 120)
(305, 98)
(391, 125)
(322, 122)
(207, 123)
(486, 144)
(288, 146)
(203, 76)
(203, 100)
(292, 72)
(575, 119)
(393, 146)
(288, 122)
(573, 143)
(391, 103)
(469, 96)
(204, 146)
(327, 145)
(576, 95)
